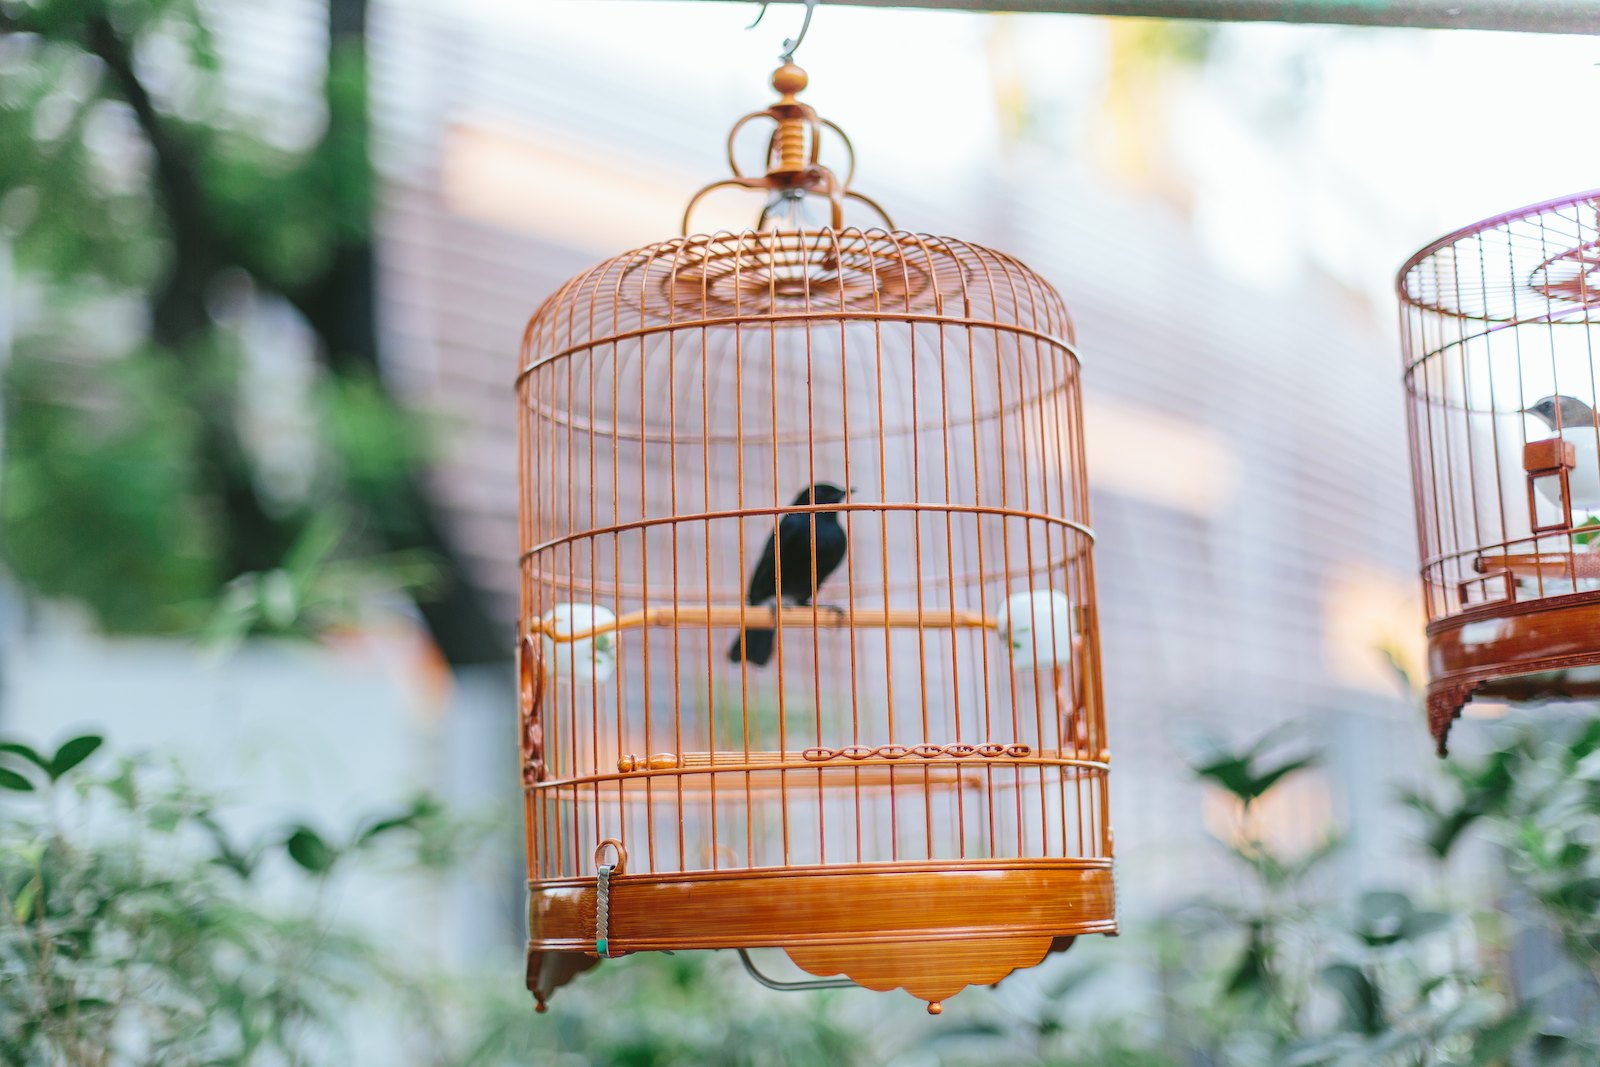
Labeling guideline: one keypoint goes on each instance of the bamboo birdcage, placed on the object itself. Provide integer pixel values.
(912, 790)
(1500, 324)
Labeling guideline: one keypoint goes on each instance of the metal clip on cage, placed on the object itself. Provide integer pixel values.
(808, 601)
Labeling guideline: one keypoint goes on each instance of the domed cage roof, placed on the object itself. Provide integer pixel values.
(1538, 263)
(794, 277)
(1499, 334)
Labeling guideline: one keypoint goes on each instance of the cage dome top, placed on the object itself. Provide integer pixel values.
(1540, 261)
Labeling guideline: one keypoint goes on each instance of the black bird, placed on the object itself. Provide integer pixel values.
(803, 569)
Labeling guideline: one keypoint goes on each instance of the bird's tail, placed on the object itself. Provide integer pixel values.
(752, 646)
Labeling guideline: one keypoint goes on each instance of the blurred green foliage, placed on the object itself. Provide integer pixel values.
(1536, 796)
(100, 503)
(153, 222)
(140, 929)
(136, 931)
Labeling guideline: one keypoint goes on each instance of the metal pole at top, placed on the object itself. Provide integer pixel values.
(1529, 16)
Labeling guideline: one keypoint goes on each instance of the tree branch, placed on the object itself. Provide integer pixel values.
(341, 307)
(179, 319)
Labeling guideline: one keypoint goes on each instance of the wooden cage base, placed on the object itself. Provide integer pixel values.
(929, 928)
(1528, 650)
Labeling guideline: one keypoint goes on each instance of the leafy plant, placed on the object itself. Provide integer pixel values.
(1537, 797)
(1280, 975)
(135, 931)
(313, 590)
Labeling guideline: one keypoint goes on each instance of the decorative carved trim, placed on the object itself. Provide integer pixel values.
(958, 750)
(549, 971)
(1445, 701)
(933, 971)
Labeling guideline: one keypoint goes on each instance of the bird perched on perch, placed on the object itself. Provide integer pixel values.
(805, 565)
(1574, 422)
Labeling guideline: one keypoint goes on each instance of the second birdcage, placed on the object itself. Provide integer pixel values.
(1501, 326)
(809, 658)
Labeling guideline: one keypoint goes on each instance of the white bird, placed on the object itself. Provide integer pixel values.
(1574, 422)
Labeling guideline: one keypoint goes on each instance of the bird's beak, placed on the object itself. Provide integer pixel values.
(850, 492)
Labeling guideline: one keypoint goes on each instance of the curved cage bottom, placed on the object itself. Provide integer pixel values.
(929, 928)
(1520, 652)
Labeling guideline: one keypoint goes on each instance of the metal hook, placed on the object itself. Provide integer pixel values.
(790, 44)
(787, 987)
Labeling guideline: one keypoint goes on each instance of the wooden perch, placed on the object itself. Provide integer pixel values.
(1551, 566)
(695, 771)
(822, 617)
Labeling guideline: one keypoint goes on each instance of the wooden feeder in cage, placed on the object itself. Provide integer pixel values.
(809, 657)
(1501, 330)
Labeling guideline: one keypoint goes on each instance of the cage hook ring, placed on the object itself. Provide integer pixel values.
(615, 846)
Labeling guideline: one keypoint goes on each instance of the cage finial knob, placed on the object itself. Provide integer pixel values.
(789, 80)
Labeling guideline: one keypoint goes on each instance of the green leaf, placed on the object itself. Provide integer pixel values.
(1420, 924)
(22, 907)
(12, 780)
(1242, 772)
(91, 1004)
(1386, 918)
(1362, 1000)
(17, 748)
(1443, 826)
(1253, 974)
(1495, 1045)
(123, 786)
(1241, 776)
(307, 848)
(422, 809)
(73, 753)
(164, 818)
(315, 545)
(384, 826)
(240, 863)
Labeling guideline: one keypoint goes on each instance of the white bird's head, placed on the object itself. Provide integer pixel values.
(1562, 412)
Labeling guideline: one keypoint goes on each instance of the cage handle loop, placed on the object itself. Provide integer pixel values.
(836, 191)
(794, 164)
(602, 893)
(790, 987)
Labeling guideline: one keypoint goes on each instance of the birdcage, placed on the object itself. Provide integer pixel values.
(1499, 323)
(809, 657)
